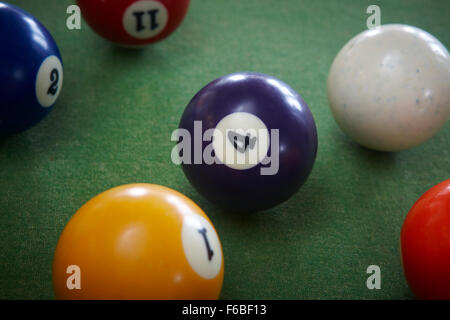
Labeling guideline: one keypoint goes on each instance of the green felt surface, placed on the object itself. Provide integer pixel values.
(118, 108)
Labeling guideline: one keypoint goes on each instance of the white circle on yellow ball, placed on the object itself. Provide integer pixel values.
(49, 80)
(145, 19)
(241, 140)
(389, 87)
(201, 246)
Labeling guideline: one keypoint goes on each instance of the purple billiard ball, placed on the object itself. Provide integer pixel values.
(247, 142)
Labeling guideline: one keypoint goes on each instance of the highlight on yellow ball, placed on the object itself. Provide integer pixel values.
(138, 241)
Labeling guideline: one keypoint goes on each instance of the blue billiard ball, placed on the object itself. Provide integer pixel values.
(247, 141)
(31, 71)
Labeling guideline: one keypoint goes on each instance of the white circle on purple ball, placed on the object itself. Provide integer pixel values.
(241, 140)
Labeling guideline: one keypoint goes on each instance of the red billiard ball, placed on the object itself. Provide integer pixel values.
(134, 22)
(425, 244)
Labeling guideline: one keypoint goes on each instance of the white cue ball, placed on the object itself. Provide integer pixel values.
(389, 87)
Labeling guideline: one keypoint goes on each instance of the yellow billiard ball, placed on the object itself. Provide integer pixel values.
(138, 241)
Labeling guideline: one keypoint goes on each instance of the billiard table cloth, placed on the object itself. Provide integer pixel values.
(118, 108)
